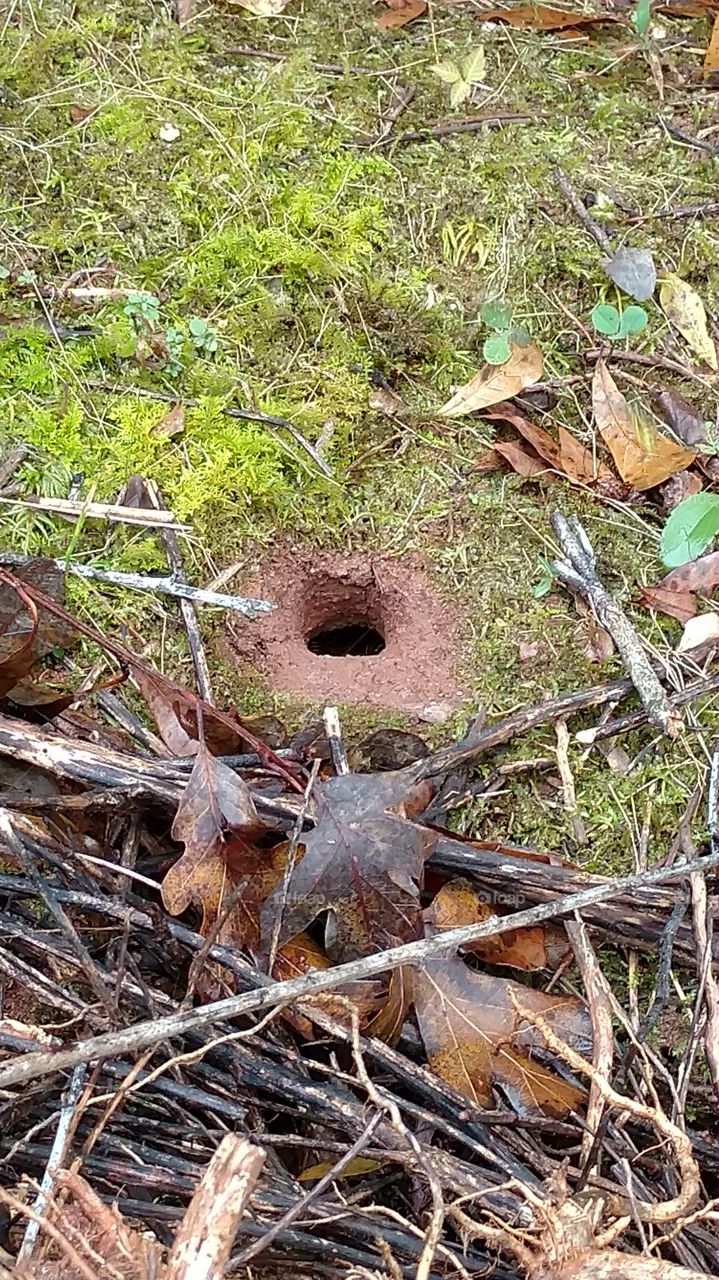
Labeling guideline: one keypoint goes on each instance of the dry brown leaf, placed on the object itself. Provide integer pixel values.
(711, 59)
(77, 113)
(171, 423)
(643, 457)
(698, 631)
(566, 454)
(459, 903)
(473, 1036)
(520, 459)
(700, 575)
(542, 17)
(217, 821)
(528, 649)
(599, 644)
(399, 12)
(497, 382)
(678, 487)
(490, 460)
(302, 954)
(676, 604)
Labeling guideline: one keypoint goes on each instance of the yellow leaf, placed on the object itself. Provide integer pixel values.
(643, 457)
(354, 1169)
(684, 308)
(497, 382)
(262, 8)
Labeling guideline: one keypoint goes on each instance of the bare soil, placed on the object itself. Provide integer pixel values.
(315, 591)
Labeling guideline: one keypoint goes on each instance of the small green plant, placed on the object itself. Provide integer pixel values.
(142, 308)
(203, 336)
(691, 527)
(462, 79)
(174, 343)
(497, 348)
(608, 321)
(642, 16)
(545, 582)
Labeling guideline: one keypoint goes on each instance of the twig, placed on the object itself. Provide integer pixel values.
(333, 730)
(457, 126)
(147, 582)
(97, 511)
(143, 1034)
(578, 571)
(55, 1160)
(686, 1199)
(681, 211)
(649, 362)
(229, 410)
(385, 1103)
(702, 922)
(401, 96)
(329, 68)
(599, 236)
(258, 1246)
(189, 617)
(600, 1010)
(699, 144)
(635, 719)
(206, 1234)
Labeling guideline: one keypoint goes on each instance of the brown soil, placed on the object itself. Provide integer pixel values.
(318, 592)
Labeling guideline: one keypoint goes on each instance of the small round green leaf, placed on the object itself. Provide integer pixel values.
(605, 319)
(496, 315)
(197, 327)
(690, 528)
(634, 319)
(496, 348)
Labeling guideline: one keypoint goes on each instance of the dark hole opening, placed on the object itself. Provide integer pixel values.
(346, 640)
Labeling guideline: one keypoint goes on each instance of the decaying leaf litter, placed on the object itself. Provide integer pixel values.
(455, 1075)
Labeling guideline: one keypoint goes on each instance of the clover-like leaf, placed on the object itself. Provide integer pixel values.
(496, 315)
(634, 319)
(496, 348)
(605, 319)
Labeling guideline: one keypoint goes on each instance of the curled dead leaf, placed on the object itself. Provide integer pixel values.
(399, 12)
(497, 382)
(676, 604)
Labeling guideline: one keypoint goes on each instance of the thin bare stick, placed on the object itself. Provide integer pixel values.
(148, 582)
(171, 544)
(600, 1010)
(54, 1162)
(333, 730)
(578, 571)
(152, 1031)
(497, 121)
(599, 236)
(97, 511)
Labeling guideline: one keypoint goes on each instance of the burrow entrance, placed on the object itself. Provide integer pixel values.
(353, 628)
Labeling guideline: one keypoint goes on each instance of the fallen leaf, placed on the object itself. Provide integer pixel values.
(711, 58)
(542, 17)
(170, 424)
(520, 460)
(497, 382)
(689, 530)
(355, 1169)
(528, 649)
(399, 13)
(685, 421)
(215, 820)
(599, 645)
(633, 271)
(388, 1022)
(678, 487)
(27, 631)
(77, 113)
(684, 309)
(566, 454)
(385, 400)
(474, 1038)
(387, 749)
(301, 955)
(676, 604)
(700, 575)
(459, 903)
(490, 460)
(643, 457)
(362, 865)
(699, 631)
(262, 8)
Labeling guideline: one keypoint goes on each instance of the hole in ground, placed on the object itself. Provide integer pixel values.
(346, 639)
